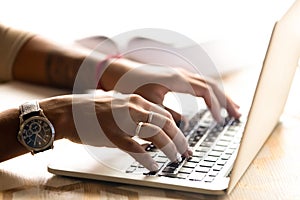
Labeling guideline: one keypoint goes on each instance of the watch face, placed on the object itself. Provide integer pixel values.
(37, 133)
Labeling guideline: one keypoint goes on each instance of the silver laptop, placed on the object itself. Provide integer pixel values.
(222, 153)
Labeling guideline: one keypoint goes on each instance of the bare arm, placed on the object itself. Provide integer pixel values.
(9, 127)
(9, 124)
(42, 61)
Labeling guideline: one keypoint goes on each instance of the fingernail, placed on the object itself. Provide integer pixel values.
(190, 151)
(221, 120)
(178, 157)
(154, 167)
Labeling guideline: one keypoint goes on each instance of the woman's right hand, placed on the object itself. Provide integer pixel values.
(112, 120)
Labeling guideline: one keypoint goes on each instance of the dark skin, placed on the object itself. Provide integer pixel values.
(52, 66)
(39, 61)
(43, 62)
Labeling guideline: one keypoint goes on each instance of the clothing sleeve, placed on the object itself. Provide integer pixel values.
(11, 40)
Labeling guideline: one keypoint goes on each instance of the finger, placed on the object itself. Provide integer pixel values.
(232, 108)
(138, 153)
(163, 122)
(156, 108)
(215, 108)
(177, 138)
(160, 139)
(226, 102)
(176, 116)
(212, 102)
(180, 120)
(146, 160)
(223, 99)
(162, 125)
(148, 106)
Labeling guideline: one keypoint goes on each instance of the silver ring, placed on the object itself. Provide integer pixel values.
(150, 117)
(138, 128)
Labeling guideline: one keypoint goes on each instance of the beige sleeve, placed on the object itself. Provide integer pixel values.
(11, 41)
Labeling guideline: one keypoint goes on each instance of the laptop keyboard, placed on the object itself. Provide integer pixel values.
(213, 146)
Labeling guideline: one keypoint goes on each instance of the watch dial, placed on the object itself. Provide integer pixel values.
(37, 133)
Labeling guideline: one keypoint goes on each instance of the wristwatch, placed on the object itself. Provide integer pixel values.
(36, 131)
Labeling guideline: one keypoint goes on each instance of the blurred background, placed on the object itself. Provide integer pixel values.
(234, 33)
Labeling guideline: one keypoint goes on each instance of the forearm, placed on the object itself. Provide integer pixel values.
(57, 110)
(9, 125)
(41, 61)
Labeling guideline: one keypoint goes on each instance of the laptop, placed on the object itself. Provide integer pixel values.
(222, 153)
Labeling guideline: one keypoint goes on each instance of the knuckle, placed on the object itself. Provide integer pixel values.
(135, 98)
(213, 85)
(169, 115)
(207, 90)
(169, 124)
(128, 143)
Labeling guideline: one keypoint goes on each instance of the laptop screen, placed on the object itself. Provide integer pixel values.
(272, 89)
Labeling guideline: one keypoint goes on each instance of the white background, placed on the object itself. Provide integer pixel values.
(236, 32)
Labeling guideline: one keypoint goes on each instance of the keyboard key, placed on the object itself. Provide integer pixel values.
(201, 131)
(211, 159)
(199, 154)
(209, 179)
(190, 165)
(173, 167)
(225, 157)
(197, 176)
(192, 143)
(202, 169)
(150, 147)
(219, 148)
(161, 159)
(140, 170)
(130, 169)
(181, 175)
(169, 170)
(226, 138)
(197, 137)
(217, 168)
(206, 164)
(222, 143)
(215, 153)
(230, 151)
(151, 173)
(221, 162)
(213, 173)
(202, 149)
(174, 164)
(206, 144)
(186, 170)
(195, 159)
(230, 133)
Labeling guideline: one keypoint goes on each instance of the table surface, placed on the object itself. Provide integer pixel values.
(274, 173)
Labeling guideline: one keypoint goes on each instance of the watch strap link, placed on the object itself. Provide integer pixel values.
(29, 108)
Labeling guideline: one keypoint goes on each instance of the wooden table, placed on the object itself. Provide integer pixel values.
(274, 174)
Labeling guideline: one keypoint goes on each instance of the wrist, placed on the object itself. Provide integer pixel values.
(58, 110)
(115, 68)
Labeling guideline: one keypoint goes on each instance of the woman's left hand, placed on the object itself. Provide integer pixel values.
(152, 82)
